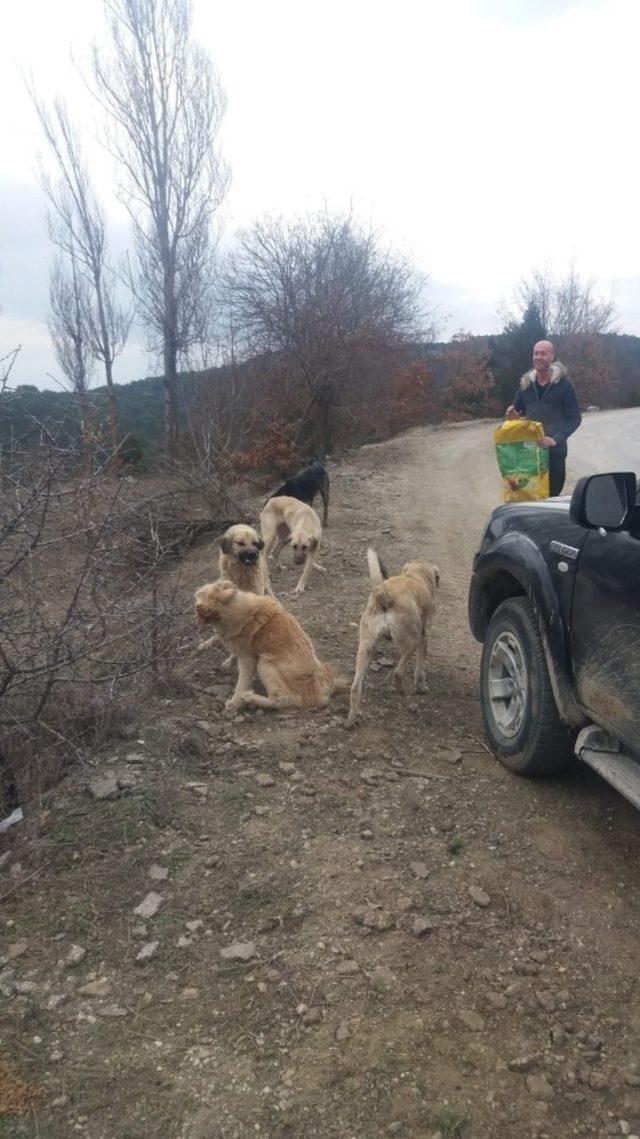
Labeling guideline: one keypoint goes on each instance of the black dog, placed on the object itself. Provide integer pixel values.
(306, 485)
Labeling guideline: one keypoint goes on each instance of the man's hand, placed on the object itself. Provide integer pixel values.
(546, 441)
(511, 413)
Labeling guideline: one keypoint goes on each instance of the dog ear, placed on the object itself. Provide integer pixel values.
(201, 603)
(202, 613)
(261, 543)
(313, 544)
(226, 544)
(225, 590)
(437, 573)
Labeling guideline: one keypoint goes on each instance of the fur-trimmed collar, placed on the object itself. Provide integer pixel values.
(558, 372)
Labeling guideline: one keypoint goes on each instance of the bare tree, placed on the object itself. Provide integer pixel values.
(221, 408)
(165, 107)
(69, 327)
(69, 324)
(77, 226)
(567, 305)
(325, 298)
(579, 309)
(6, 365)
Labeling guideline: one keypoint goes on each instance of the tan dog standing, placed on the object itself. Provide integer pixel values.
(267, 639)
(400, 608)
(285, 520)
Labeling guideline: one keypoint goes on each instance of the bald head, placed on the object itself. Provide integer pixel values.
(543, 353)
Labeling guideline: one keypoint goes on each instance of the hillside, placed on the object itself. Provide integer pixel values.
(26, 411)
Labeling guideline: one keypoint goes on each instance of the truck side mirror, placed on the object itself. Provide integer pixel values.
(604, 502)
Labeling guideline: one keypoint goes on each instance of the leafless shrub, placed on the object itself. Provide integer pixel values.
(330, 308)
(90, 601)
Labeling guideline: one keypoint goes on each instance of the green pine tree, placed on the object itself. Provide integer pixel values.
(512, 351)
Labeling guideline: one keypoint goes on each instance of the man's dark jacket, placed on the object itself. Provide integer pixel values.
(556, 408)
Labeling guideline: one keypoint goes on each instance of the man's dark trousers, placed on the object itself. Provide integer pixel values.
(557, 471)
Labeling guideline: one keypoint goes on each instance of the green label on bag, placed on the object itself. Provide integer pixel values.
(522, 460)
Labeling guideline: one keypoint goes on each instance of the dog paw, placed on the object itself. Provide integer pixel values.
(298, 589)
(421, 685)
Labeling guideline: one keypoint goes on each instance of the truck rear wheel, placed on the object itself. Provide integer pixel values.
(518, 707)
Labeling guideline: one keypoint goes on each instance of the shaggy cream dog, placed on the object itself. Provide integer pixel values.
(266, 638)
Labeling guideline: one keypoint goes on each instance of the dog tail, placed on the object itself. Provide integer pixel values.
(377, 570)
(378, 575)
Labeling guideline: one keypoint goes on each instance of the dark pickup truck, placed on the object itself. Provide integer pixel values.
(555, 601)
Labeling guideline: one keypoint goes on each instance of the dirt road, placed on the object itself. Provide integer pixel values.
(606, 441)
(352, 934)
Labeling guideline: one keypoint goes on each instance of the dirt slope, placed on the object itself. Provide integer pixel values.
(433, 946)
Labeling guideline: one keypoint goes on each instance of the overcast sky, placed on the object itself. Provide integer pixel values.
(482, 137)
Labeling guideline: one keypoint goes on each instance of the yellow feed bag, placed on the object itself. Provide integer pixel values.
(524, 465)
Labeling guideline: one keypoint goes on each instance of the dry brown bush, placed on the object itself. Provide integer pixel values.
(90, 601)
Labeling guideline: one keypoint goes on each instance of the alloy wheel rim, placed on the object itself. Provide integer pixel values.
(507, 684)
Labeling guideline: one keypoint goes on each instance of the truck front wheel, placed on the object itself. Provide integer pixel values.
(518, 707)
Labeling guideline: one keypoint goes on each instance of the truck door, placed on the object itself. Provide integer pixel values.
(605, 631)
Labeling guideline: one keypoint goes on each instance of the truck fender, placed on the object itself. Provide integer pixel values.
(517, 558)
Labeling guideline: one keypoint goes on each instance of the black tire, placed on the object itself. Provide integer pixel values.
(524, 729)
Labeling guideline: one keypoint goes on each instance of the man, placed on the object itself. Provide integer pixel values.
(546, 394)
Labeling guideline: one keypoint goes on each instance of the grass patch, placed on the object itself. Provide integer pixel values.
(234, 800)
(67, 833)
(80, 916)
(449, 1123)
(8, 1127)
(136, 813)
(178, 857)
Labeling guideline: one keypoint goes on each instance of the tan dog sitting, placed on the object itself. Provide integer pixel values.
(400, 608)
(285, 520)
(242, 561)
(267, 639)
